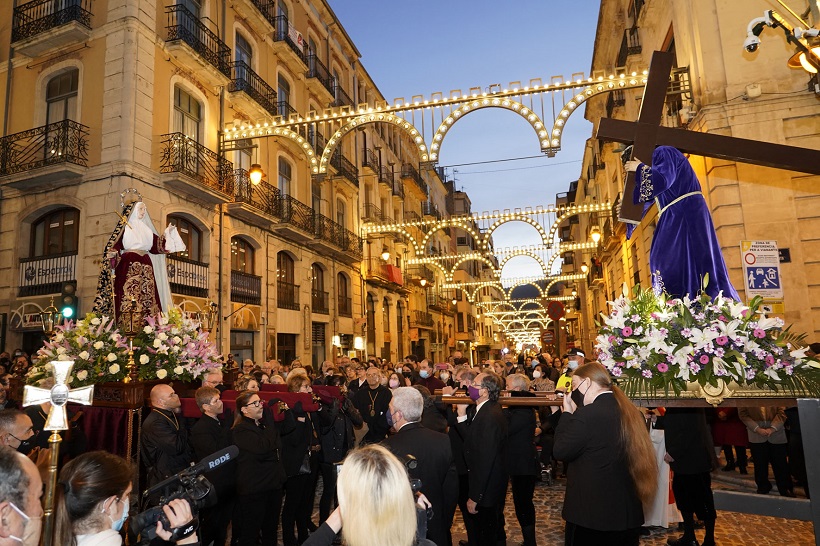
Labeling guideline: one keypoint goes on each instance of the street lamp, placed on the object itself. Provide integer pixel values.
(595, 234)
(50, 318)
(584, 268)
(385, 253)
(209, 316)
(256, 174)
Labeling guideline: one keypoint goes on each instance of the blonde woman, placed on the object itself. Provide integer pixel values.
(376, 503)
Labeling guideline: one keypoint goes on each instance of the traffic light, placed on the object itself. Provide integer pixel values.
(68, 300)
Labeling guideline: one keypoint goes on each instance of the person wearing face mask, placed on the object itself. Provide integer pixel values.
(575, 357)
(395, 380)
(613, 471)
(427, 378)
(21, 510)
(92, 503)
(17, 432)
(208, 435)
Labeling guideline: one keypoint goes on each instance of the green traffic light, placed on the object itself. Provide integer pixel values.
(68, 312)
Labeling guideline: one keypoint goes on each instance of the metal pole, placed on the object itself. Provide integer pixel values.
(48, 515)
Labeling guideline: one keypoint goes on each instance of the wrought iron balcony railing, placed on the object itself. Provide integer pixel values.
(38, 16)
(243, 78)
(284, 109)
(371, 212)
(342, 98)
(316, 69)
(267, 8)
(181, 154)
(409, 172)
(353, 244)
(614, 100)
(429, 209)
(294, 212)
(287, 295)
(328, 230)
(61, 142)
(46, 274)
(398, 187)
(187, 277)
(630, 45)
(185, 26)
(344, 306)
(411, 216)
(386, 176)
(421, 318)
(345, 167)
(246, 288)
(319, 300)
(317, 140)
(370, 160)
(285, 32)
(263, 196)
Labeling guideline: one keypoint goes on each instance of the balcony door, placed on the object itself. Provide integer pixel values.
(244, 54)
(61, 97)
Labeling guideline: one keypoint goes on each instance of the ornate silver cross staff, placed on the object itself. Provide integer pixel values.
(59, 395)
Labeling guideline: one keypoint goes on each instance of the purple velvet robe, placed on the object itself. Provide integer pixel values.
(685, 246)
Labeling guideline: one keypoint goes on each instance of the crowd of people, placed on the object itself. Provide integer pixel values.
(388, 445)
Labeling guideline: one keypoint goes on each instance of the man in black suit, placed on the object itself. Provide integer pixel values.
(208, 435)
(484, 438)
(434, 460)
(164, 443)
(372, 401)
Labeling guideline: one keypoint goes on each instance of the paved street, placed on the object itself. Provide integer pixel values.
(732, 529)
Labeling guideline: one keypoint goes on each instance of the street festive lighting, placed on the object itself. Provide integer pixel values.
(385, 254)
(584, 267)
(423, 282)
(256, 174)
(595, 234)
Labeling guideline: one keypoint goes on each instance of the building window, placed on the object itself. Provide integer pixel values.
(187, 114)
(340, 213)
(386, 315)
(284, 267)
(283, 96)
(318, 278)
(241, 255)
(194, 6)
(191, 236)
(61, 96)
(55, 233)
(285, 176)
(282, 9)
(243, 50)
(316, 196)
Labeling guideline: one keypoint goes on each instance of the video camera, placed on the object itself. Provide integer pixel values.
(189, 485)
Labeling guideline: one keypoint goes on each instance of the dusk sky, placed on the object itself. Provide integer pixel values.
(417, 48)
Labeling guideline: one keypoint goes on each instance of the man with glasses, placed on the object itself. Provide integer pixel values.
(361, 378)
(164, 443)
(209, 435)
(214, 379)
(372, 401)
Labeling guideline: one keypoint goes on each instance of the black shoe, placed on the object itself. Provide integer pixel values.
(729, 466)
(682, 541)
(645, 532)
(787, 494)
(743, 470)
(763, 491)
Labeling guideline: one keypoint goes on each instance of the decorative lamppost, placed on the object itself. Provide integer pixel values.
(131, 321)
(209, 317)
(51, 317)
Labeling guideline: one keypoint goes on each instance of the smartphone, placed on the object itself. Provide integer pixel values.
(441, 366)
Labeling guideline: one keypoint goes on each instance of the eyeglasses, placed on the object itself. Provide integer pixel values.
(255, 403)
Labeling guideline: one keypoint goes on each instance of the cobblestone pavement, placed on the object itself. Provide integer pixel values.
(732, 529)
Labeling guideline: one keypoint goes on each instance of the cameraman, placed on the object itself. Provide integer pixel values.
(91, 503)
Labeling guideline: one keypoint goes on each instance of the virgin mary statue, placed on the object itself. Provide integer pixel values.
(134, 272)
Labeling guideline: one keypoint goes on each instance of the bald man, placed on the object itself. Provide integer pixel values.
(372, 400)
(164, 443)
(20, 492)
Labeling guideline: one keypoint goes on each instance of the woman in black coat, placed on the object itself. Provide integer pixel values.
(522, 457)
(259, 472)
(301, 460)
(337, 438)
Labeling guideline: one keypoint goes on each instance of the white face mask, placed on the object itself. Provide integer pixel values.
(31, 530)
(572, 364)
(444, 376)
(536, 374)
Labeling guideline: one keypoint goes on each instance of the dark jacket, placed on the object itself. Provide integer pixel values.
(299, 442)
(484, 438)
(600, 492)
(259, 466)
(436, 470)
(164, 445)
(457, 436)
(336, 430)
(207, 436)
(522, 456)
(372, 404)
(687, 440)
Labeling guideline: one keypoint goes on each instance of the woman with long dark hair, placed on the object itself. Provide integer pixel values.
(614, 471)
(260, 474)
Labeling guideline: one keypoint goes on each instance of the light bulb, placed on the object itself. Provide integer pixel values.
(256, 174)
(804, 62)
(584, 267)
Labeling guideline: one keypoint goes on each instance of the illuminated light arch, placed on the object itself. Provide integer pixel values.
(374, 117)
(487, 102)
(553, 144)
(539, 304)
(398, 229)
(467, 259)
(515, 218)
(522, 252)
(489, 284)
(562, 278)
(523, 283)
(266, 129)
(585, 208)
(460, 223)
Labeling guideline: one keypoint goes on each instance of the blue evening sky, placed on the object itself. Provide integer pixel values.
(417, 48)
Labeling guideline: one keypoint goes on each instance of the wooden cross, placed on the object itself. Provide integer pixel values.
(647, 133)
(59, 395)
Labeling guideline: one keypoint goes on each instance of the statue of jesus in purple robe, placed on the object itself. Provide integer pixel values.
(684, 247)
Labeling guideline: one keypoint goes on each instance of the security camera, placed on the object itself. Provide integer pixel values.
(751, 43)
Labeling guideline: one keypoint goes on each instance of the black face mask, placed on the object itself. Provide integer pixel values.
(578, 397)
(25, 446)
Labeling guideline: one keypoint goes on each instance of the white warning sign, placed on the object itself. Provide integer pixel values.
(761, 269)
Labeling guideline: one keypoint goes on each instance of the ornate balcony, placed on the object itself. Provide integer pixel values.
(409, 172)
(320, 302)
(257, 205)
(398, 187)
(431, 210)
(289, 44)
(187, 277)
(630, 45)
(246, 288)
(287, 295)
(57, 151)
(46, 274)
(250, 93)
(296, 219)
(341, 98)
(384, 274)
(344, 306)
(284, 109)
(332, 238)
(344, 167)
(44, 25)
(421, 319)
(192, 168)
(319, 79)
(370, 162)
(196, 45)
(260, 14)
